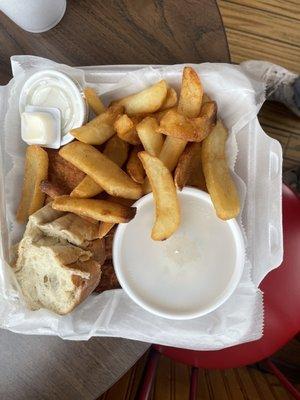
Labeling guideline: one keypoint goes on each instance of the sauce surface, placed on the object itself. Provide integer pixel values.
(187, 272)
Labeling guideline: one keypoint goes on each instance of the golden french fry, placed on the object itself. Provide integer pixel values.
(86, 189)
(171, 151)
(147, 101)
(158, 115)
(205, 98)
(150, 138)
(121, 200)
(36, 170)
(117, 151)
(123, 124)
(53, 190)
(134, 166)
(169, 155)
(126, 129)
(187, 164)
(197, 178)
(219, 182)
(165, 197)
(209, 109)
(189, 106)
(94, 101)
(99, 129)
(190, 99)
(208, 114)
(89, 219)
(170, 100)
(189, 129)
(106, 227)
(101, 210)
(207, 118)
(178, 126)
(101, 169)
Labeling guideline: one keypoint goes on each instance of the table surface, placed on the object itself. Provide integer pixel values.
(269, 31)
(97, 33)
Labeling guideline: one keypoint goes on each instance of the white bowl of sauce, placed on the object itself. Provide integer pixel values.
(53, 89)
(190, 274)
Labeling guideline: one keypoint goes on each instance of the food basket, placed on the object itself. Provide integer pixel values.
(255, 160)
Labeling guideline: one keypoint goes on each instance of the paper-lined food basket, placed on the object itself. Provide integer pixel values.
(255, 160)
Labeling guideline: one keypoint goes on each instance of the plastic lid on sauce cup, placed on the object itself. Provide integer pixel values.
(54, 89)
(187, 276)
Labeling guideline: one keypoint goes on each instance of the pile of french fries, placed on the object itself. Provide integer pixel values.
(153, 140)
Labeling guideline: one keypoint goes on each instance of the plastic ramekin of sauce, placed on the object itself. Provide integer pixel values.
(54, 89)
(190, 274)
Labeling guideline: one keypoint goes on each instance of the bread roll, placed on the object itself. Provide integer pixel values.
(56, 267)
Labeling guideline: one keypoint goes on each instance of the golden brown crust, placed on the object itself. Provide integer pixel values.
(62, 173)
(85, 286)
(52, 189)
(104, 228)
(190, 129)
(126, 129)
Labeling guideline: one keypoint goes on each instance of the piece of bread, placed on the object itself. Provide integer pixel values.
(77, 231)
(52, 272)
(44, 215)
(97, 248)
(49, 280)
(32, 232)
(72, 228)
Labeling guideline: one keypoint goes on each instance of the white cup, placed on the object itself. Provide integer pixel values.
(34, 16)
(54, 89)
(190, 274)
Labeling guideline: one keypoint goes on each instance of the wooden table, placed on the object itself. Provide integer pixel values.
(95, 32)
(99, 32)
(269, 31)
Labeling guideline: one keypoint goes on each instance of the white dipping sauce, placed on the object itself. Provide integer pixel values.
(187, 275)
(54, 89)
(38, 127)
(52, 93)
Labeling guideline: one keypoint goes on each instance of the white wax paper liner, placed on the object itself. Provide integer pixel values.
(112, 313)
